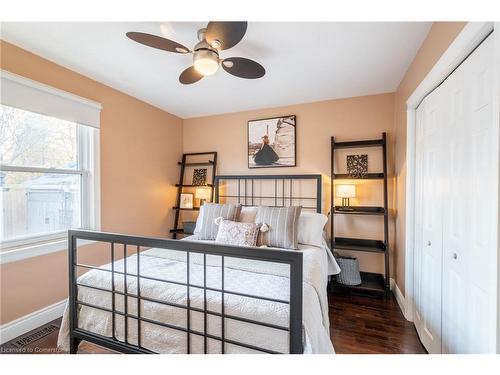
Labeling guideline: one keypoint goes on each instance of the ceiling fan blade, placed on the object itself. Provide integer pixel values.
(157, 42)
(228, 34)
(243, 68)
(190, 75)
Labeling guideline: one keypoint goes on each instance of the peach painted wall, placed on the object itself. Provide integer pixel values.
(436, 43)
(347, 119)
(140, 145)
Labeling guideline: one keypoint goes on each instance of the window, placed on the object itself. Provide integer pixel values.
(48, 173)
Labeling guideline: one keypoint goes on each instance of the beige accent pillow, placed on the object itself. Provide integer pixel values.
(235, 233)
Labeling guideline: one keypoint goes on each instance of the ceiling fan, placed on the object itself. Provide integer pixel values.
(217, 36)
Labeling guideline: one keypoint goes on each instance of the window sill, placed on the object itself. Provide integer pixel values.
(15, 254)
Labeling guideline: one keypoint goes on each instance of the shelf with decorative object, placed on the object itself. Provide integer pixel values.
(356, 244)
(188, 228)
(367, 176)
(357, 168)
(370, 282)
(207, 164)
(186, 208)
(359, 210)
(360, 144)
(195, 186)
(179, 230)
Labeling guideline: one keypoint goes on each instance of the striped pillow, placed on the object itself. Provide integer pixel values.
(282, 223)
(211, 211)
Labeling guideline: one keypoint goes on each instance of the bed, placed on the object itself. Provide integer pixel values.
(196, 296)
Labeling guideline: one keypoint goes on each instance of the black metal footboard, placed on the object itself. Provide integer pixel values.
(292, 258)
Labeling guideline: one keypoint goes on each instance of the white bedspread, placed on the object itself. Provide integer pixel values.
(240, 275)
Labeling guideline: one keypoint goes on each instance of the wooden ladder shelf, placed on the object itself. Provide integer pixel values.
(187, 162)
(372, 282)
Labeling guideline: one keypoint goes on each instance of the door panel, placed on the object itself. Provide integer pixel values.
(429, 243)
(469, 248)
(456, 188)
(417, 257)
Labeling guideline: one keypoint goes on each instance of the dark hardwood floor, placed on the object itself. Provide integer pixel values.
(358, 325)
(365, 324)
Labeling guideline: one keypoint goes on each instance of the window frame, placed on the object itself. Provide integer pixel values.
(88, 168)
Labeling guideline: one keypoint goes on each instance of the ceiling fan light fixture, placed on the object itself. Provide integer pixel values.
(206, 62)
(216, 37)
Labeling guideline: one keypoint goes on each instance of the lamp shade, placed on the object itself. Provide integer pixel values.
(203, 193)
(346, 191)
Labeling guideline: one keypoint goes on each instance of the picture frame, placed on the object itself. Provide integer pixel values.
(186, 200)
(199, 177)
(357, 165)
(271, 142)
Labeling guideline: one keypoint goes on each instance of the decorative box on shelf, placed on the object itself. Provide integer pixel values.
(189, 226)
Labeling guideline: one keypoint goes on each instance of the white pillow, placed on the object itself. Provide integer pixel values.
(311, 225)
(199, 221)
(248, 214)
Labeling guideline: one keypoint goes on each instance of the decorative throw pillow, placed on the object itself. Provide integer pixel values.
(282, 225)
(235, 233)
(211, 211)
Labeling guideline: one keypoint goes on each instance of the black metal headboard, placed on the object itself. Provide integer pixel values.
(248, 194)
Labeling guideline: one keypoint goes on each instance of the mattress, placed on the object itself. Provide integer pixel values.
(265, 279)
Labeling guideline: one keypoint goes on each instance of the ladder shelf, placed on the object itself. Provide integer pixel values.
(188, 162)
(372, 282)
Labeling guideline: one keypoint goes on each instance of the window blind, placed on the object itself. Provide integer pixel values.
(29, 95)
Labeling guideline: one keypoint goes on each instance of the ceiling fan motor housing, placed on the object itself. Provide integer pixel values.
(205, 58)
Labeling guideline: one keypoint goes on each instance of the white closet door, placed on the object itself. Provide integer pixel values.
(430, 236)
(469, 217)
(457, 211)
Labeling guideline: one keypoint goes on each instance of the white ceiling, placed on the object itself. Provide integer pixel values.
(304, 61)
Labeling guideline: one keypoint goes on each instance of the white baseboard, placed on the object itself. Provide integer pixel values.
(400, 298)
(24, 324)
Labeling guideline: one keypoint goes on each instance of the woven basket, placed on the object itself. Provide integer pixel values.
(349, 274)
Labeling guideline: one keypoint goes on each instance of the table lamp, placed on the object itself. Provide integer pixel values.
(203, 194)
(345, 192)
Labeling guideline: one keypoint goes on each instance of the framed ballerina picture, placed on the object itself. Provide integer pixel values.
(271, 142)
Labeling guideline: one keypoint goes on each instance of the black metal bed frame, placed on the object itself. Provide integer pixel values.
(246, 189)
(293, 259)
